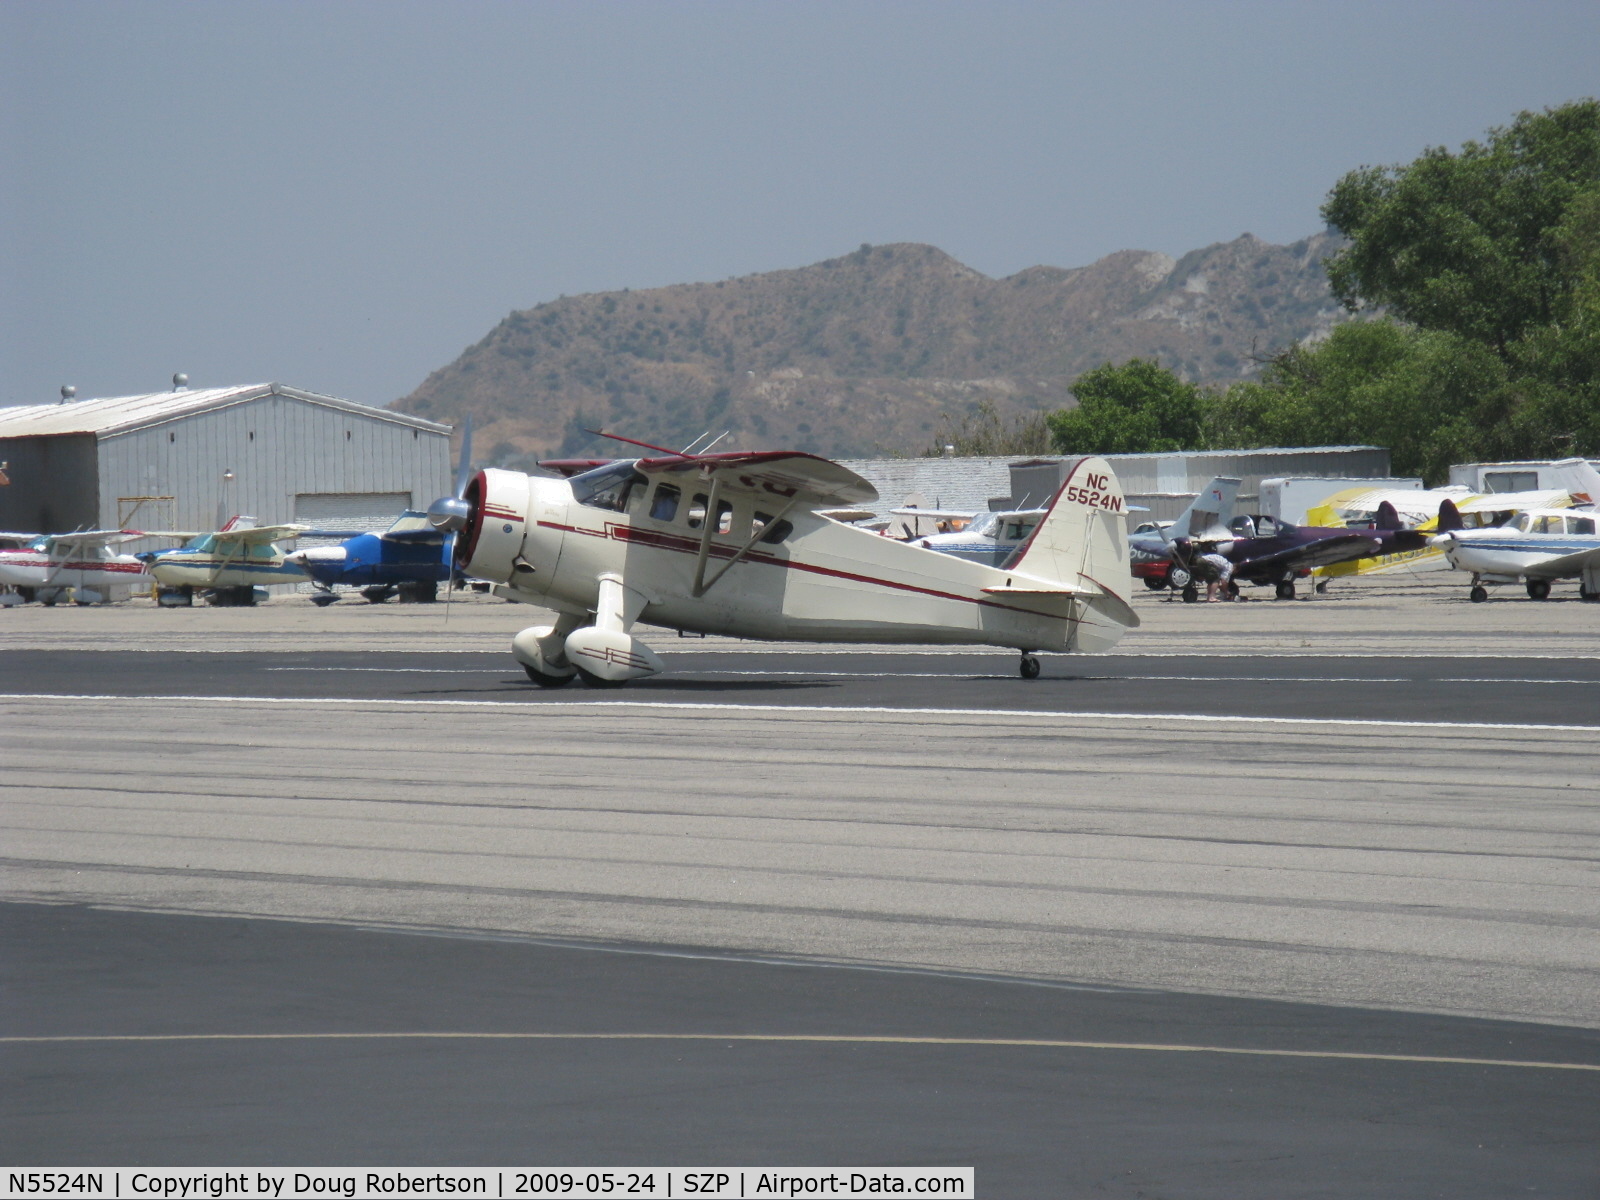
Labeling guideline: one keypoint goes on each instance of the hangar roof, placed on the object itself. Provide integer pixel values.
(123, 414)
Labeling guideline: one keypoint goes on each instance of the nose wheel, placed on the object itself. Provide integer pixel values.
(1029, 667)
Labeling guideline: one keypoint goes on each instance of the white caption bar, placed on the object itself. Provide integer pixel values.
(502, 1183)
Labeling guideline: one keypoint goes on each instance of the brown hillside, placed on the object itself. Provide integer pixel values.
(863, 354)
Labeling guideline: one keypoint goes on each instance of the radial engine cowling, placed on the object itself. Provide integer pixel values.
(490, 543)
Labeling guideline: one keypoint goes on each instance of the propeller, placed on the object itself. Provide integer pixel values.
(451, 513)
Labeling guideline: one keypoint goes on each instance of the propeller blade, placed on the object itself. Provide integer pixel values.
(464, 471)
(450, 513)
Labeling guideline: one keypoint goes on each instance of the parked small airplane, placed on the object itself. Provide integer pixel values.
(989, 538)
(227, 565)
(410, 558)
(1539, 545)
(736, 543)
(1268, 551)
(45, 566)
(1206, 519)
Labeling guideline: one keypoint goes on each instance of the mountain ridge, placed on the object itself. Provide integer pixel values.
(868, 352)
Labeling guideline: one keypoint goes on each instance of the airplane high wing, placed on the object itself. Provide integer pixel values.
(738, 543)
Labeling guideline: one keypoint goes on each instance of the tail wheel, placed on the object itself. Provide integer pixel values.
(1029, 667)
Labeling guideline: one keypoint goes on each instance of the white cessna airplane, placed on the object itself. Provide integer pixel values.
(47, 564)
(736, 543)
(1538, 545)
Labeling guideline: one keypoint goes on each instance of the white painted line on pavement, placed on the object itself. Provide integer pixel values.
(816, 709)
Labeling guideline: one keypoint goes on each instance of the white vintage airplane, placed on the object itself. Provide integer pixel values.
(736, 543)
(48, 564)
(1539, 545)
(227, 565)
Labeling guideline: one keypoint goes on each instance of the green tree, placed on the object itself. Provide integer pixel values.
(1139, 407)
(1471, 243)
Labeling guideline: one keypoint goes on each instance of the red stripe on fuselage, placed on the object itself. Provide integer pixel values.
(685, 545)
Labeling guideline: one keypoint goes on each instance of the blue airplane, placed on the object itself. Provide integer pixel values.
(411, 558)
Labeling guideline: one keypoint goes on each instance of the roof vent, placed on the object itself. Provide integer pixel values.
(180, 382)
(67, 393)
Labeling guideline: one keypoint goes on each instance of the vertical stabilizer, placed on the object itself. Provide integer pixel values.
(1580, 478)
(1082, 543)
(1208, 515)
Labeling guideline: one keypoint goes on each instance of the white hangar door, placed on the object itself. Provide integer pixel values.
(352, 512)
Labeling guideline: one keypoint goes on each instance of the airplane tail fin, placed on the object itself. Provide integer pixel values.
(1580, 478)
(1082, 543)
(1209, 513)
(1388, 518)
(1449, 517)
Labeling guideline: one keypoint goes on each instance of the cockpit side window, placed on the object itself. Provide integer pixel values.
(609, 487)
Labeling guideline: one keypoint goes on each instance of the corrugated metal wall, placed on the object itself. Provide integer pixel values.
(276, 447)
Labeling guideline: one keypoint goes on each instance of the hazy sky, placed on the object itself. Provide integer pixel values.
(341, 196)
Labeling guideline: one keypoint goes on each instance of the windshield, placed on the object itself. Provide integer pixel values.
(608, 487)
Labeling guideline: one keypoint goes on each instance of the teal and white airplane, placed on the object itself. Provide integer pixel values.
(227, 565)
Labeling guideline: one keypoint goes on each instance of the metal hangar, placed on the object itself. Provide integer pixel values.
(189, 459)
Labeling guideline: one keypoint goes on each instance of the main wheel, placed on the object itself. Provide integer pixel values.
(1154, 583)
(1538, 589)
(1029, 667)
(1190, 593)
(1591, 596)
(594, 681)
(1285, 589)
(323, 599)
(1478, 594)
(549, 681)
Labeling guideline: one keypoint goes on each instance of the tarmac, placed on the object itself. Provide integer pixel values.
(1355, 833)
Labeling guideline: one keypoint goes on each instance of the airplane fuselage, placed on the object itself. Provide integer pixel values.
(38, 569)
(768, 570)
(218, 569)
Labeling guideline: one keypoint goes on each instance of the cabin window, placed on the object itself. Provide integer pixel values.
(1580, 525)
(697, 510)
(772, 532)
(609, 487)
(724, 517)
(664, 505)
(1547, 525)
